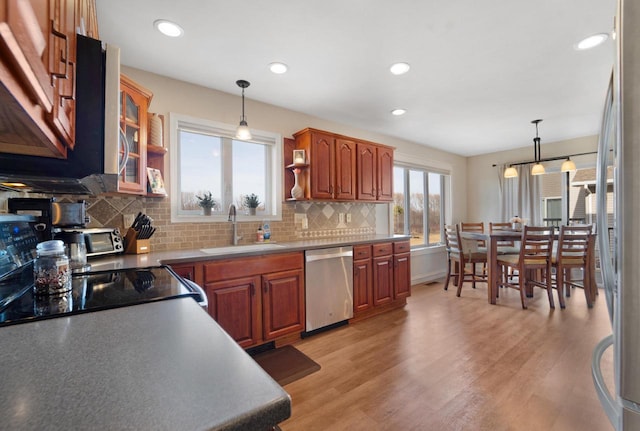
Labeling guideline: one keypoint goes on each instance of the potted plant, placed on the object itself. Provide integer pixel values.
(251, 201)
(207, 202)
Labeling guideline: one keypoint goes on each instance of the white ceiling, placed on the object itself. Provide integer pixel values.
(480, 70)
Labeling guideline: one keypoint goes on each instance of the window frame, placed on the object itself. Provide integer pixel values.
(273, 182)
(426, 171)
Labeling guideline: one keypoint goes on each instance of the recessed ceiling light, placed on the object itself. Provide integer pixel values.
(398, 111)
(278, 68)
(399, 68)
(591, 41)
(168, 28)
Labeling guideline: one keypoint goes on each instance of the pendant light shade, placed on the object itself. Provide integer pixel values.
(537, 169)
(568, 166)
(510, 172)
(243, 132)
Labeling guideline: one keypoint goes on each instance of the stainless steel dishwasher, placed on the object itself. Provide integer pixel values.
(329, 286)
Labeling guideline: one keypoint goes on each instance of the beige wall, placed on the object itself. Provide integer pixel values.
(483, 200)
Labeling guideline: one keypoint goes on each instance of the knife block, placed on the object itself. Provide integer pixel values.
(133, 245)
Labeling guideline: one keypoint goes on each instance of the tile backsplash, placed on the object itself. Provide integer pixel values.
(300, 220)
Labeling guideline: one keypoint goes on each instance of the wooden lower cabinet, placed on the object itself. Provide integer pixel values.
(235, 305)
(282, 303)
(257, 299)
(362, 278)
(381, 277)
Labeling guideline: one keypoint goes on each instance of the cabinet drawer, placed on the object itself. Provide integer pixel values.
(401, 247)
(361, 252)
(382, 249)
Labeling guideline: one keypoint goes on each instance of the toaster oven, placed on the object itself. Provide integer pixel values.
(101, 241)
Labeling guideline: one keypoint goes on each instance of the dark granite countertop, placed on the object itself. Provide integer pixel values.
(176, 257)
(164, 365)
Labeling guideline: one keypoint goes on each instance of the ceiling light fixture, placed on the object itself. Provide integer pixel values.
(537, 169)
(568, 165)
(243, 132)
(399, 68)
(168, 28)
(278, 68)
(510, 172)
(398, 112)
(591, 41)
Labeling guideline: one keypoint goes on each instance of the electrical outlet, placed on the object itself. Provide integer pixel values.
(341, 218)
(348, 217)
(127, 220)
(305, 223)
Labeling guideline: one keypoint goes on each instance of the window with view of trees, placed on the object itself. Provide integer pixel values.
(208, 159)
(418, 208)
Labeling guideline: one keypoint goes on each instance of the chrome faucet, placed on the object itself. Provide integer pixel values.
(232, 219)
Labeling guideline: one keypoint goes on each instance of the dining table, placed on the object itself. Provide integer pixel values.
(493, 239)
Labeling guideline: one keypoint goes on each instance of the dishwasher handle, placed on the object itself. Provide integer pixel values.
(324, 256)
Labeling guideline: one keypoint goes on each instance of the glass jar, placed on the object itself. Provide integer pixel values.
(51, 270)
(76, 250)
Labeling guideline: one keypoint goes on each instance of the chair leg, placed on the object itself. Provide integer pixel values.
(566, 286)
(550, 290)
(446, 283)
(521, 284)
(460, 279)
(473, 275)
(586, 282)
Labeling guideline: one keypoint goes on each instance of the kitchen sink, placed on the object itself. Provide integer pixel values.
(241, 248)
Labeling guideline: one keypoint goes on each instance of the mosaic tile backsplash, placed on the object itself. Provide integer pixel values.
(300, 220)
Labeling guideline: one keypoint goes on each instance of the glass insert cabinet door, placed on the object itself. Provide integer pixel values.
(134, 103)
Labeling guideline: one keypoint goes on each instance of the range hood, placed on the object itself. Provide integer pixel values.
(92, 167)
(90, 185)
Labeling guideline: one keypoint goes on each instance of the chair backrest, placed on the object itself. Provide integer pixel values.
(474, 227)
(493, 227)
(452, 238)
(573, 244)
(536, 245)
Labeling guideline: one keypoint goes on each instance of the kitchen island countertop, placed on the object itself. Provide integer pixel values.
(162, 365)
(176, 257)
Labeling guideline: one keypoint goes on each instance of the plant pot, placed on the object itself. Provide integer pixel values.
(252, 211)
(207, 211)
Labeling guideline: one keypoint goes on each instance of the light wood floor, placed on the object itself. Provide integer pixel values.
(448, 363)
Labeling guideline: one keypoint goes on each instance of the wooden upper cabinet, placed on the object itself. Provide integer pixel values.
(384, 187)
(345, 183)
(375, 172)
(322, 165)
(345, 169)
(38, 74)
(134, 104)
(27, 82)
(366, 172)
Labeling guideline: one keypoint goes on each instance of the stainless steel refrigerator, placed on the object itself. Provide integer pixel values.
(619, 233)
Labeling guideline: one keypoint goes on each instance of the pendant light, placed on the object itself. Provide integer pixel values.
(243, 132)
(510, 172)
(537, 169)
(568, 165)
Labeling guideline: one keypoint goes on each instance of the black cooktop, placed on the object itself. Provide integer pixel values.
(92, 291)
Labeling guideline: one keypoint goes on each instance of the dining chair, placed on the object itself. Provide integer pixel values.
(477, 246)
(459, 259)
(506, 246)
(533, 262)
(573, 252)
(474, 227)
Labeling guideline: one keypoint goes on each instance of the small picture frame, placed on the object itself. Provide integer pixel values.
(299, 157)
(155, 182)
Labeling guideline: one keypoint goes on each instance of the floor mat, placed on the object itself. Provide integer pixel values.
(286, 364)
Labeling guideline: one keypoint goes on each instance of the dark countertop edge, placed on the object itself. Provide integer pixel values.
(178, 257)
(264, 418)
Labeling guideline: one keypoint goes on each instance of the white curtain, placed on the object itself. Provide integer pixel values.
(520, 196)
